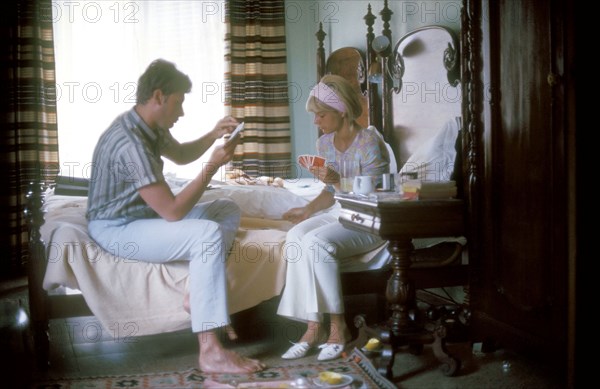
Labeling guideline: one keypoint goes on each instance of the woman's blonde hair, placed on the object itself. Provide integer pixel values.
(344, 91)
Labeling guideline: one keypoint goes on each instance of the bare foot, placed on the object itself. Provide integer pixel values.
(214, 358)
(227, 361)
(231, 334)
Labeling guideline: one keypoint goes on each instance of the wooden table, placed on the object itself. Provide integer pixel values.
(400, 221)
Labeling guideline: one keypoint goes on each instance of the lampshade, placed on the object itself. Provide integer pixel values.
(382, 46)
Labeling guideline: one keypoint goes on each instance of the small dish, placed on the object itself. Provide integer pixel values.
(346, 380)
(371, 353)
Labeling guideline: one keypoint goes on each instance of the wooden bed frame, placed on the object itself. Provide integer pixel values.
(42, 306)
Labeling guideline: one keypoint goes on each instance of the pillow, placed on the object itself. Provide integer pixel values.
(434, 160)
(393, 164)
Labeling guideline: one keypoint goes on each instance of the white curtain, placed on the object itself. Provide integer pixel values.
(102, 47)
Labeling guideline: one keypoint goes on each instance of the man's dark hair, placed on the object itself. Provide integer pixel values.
(162, 75)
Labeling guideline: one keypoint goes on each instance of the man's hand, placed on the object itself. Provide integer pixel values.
(224, 126)
(223, 153)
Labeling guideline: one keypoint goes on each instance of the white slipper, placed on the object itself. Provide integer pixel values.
(330, 351)
(298, 350)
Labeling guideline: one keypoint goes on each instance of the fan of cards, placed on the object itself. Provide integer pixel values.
(307, 161)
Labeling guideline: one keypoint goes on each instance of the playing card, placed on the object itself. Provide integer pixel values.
(318, 161)
(304, 161)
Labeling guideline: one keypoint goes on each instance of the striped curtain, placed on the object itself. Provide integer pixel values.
(28, 135)
(256, 90)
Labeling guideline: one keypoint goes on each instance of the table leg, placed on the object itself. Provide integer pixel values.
(400, 292)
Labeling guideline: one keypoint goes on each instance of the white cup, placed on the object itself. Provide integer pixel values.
(363, 185)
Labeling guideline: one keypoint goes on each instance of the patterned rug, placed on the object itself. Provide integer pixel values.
(363, 373)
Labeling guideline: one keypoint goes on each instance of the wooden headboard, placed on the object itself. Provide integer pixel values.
(355, 65)
(425, 92)
(410, 87)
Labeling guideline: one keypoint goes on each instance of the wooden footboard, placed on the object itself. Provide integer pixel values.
(36, 267)
(43, 307)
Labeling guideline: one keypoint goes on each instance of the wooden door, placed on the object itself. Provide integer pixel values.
(520, 174)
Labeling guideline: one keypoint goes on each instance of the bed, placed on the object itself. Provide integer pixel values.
(70, 276)
(255, 268)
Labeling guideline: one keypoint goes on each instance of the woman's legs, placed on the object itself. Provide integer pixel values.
(312, 282)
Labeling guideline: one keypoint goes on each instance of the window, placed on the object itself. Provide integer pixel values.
(102, 47)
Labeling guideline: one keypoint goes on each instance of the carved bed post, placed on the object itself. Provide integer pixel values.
(372, 89)
(320, 53)
(369, 21)
(320, 59)
(386, 16)
(36, 268)
(472, 133)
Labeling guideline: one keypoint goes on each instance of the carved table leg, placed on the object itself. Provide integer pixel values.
(400, 291)
(450, 364)
(402, 329)
(400, 296)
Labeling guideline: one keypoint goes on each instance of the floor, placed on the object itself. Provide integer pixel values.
(81, 347)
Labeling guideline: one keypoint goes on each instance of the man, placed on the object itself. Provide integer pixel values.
(131, 205)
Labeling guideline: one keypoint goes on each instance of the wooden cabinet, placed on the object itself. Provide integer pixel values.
(521, 175)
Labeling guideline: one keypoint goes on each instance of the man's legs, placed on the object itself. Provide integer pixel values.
(205, 244)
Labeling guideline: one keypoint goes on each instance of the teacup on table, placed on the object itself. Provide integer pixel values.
(363, 185)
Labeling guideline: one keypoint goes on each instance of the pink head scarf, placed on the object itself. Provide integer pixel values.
(328, 96)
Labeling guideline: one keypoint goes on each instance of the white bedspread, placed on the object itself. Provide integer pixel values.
(143, 298)
(148, 297)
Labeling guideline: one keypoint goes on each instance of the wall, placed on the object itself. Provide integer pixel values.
(344, 25)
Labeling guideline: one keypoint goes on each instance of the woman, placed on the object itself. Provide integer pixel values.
(312, 280)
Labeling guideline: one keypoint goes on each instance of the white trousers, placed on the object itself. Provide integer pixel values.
(203, 238)
(315, 250)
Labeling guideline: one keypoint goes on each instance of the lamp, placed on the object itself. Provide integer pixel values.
(382, 46)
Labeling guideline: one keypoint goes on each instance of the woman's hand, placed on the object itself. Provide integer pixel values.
(224, 126)
(325, 174)
(296, 215)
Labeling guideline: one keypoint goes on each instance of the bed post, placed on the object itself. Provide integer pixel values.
(36, 267)
(371, 55)
(386, 16)
(320, 52)
(371, 60)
